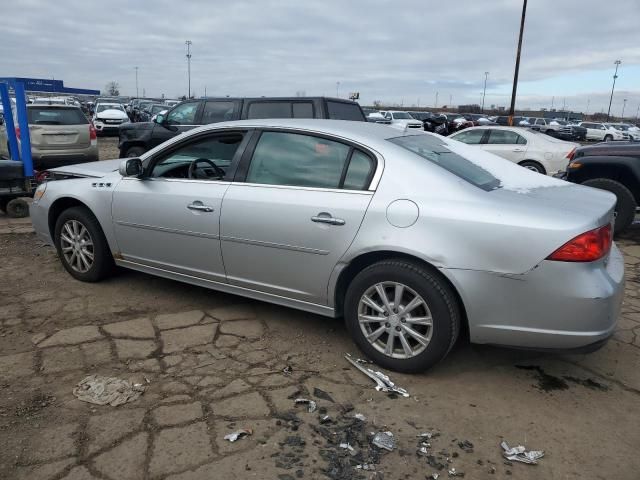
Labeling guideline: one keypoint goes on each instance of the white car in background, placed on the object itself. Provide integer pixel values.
(109, 116)
(528, 148)
(600, 132)
(402, 120)
(623, 129)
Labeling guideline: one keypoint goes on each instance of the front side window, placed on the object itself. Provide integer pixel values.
(505, 137)
(217, 112)
(205, 159)
(471, 137)
(184, 114)
(297, 160)
(302, 110)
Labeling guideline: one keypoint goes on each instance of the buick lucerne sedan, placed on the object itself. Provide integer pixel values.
(410, 236)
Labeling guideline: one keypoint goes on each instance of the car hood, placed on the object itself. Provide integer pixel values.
(136, 126)
(91, 169)
(112, 114)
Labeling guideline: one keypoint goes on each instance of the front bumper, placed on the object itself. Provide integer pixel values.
(557, 305)
(38, 212)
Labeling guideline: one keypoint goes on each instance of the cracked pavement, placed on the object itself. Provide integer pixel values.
(213, 363)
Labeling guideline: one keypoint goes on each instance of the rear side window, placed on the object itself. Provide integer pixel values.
(184, 114)
(297, 160)
(269, 110)
(431, 149)
(303, 110)
(344, 111)
(471, 137)
(217, 112)
(56, 116)
(505, 137)
(359, 171)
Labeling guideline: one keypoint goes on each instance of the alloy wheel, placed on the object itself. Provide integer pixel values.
(395, 320)
(76, 245)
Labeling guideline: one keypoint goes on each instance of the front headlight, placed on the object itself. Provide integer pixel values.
(39, 193)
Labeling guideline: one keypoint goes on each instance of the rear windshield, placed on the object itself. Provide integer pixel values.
(56, 116)
(345, 111)
(433, 150)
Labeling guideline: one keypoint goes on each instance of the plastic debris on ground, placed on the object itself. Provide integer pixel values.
(360, 417)
(383, 382)
(384, 440)
(520, 454)
(325, 419)
(454, 473)
(311, 405)
(466, 445)
(322, 395)
(287, 370)
(107, 390)
(243, 432)
(434, 476)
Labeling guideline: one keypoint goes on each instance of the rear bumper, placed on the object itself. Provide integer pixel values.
(45, 159)
(557, 305)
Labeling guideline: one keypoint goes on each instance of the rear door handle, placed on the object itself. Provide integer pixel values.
(518, 150)
(199, 206)
(324, 217)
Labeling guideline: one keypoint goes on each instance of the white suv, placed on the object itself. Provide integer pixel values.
(402, 120)
(600, 133)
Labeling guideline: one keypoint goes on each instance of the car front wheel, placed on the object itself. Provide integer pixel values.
(403, 316)
(81, 245)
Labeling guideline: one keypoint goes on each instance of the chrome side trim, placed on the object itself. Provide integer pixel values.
(168, 230)
(227, 288)
(282, 246)
(309, 189)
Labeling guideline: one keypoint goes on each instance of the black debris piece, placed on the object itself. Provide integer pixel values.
(466, 446)
(322, 395)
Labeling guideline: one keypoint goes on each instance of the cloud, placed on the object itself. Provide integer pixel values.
(391, 51)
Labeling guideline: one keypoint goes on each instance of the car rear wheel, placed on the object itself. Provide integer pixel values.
(625, 201)
(533, 166)
(401, 315)
(81, 245)
(608, 138)
(134, 152)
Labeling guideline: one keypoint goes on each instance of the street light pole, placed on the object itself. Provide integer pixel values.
(188, 43)
(637, 113)
(517, 69)
(484, 90)
(615, 75)
(337, 89)
(136, 82)
(624, 104)
(437, 99)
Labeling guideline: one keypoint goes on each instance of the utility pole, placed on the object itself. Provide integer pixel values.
(188, 43)
(615, 75)
(136, 81)
(637, 113)
(624, 104)
(587, 111)
(436, 106)
(337, 89)
(450, 100)
(517, 69)
(205, 90)
(484, 90)
(552, 100)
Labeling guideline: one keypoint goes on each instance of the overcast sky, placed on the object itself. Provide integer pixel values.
(393, 51)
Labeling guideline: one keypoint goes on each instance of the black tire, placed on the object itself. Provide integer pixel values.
(437, 294)
(625, 203)
(534, 166)
(608, 138)
(3, 205)
(103, 264)
(17, 208)
(134, 152)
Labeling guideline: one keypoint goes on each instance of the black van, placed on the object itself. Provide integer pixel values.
(137, 138)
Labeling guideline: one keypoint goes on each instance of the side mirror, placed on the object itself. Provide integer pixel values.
(130, 167)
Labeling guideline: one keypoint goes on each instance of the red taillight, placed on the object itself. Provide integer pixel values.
(18, 132)
(589, 246)
(42, 176)
(571, 154)
(93, 134)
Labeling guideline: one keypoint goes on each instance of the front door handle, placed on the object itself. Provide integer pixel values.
(518, 150)
(324, 217)
(199, 206)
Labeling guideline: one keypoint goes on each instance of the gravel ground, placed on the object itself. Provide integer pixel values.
(108, 148)
(212, 363)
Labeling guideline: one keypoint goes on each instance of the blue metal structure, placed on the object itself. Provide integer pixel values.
(46, 85)
(8, 122)
(23, 123)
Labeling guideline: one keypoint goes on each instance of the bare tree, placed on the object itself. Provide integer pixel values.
(113, 88)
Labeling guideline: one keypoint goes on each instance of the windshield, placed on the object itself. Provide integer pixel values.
(402, 116)
(109, 106)
(432, 149)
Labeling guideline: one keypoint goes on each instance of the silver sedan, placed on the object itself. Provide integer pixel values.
(410, 236)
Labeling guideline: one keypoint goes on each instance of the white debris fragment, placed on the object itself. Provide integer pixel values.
(311, 405)
(233, 436)
(520, 454)
(383, 382)
(107, 390)
(360, 417)
(384, 440)
(346, 446)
